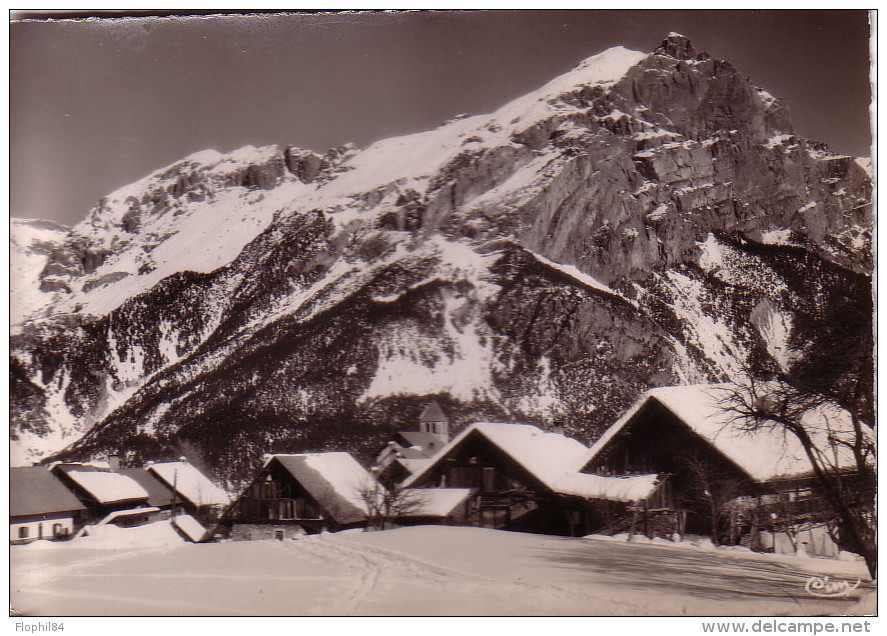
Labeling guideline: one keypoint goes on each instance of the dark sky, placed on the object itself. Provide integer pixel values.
(98, 104)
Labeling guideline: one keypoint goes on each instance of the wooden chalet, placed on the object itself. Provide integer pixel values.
(300, 494)
(100, 490)
(523, 478)
(761, 479)
(41, 507)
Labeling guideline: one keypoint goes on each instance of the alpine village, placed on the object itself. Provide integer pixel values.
(631, 304)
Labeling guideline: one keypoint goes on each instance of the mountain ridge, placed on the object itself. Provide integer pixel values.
(634, 222)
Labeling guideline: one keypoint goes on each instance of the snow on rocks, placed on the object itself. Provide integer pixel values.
(458, 359)
(412, 362)
(866, 164)
(30, 243)
(63, 427)
(775, 327)
(777, 237)
(579, 276)
(419, 156)
(714, 337)
(777, 140)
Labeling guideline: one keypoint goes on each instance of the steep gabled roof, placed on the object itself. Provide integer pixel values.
(35, 490)
(546, 456)
(553, 459)
(191, 484)
(103, 485)
(764, 454)
(334, 480)
(158, 493)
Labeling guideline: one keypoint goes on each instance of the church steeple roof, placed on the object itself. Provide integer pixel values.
(433, 413)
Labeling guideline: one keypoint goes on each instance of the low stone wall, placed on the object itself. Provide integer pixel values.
(260, 531)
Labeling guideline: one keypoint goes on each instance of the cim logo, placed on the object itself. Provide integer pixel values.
(823, 586)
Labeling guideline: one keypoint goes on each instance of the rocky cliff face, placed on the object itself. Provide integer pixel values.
(642, 220)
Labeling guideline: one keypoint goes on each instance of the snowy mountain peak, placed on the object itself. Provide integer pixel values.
(622, 222)
(679, 47)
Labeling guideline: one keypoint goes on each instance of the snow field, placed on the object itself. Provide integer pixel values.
(423, 570)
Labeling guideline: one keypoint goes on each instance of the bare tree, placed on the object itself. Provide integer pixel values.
(385, 505)
(713, 488)
(828, 431)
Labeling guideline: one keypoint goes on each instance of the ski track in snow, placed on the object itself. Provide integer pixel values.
(373, 564)
(432, 570)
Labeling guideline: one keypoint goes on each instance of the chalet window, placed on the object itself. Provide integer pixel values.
(489, 479)
(305, 510)
(23, 532)
(465, 477)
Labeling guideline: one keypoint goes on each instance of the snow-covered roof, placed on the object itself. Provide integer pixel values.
(630, 488)
(189, 526)
(35, 490)
(553, 459)
(334, 480)
(191, 484)
(104, 486)
(764, 454)
(117, 514)
(428, 443)
(414, 465)
(547, 456)
(434, 502)
(158, 493)
(410, 452)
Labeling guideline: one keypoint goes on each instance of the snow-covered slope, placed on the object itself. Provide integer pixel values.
(641, 220)
(31, 242)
